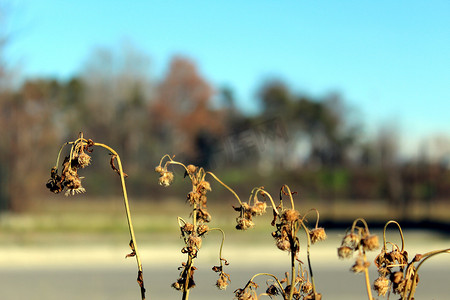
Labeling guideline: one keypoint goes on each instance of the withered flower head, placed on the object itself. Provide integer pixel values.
(203, 215)
(202, 229)
(203, 187)
(381, 285)
(360, 265)
(191, 169)
(317, 235)
(370, 242)
(397, 277)
(345, 252)
(194, 241)
(188, 228)
(54, 184)
(258, 208)
(283, 244)
(307, 287)
(166, 178)
(223, 281)
(272, 290)
(83, 160)
(243, 223)
(73, 182)
(159, 170)
(193, 197)
(351, 240)
(246, 296)
(290, 215)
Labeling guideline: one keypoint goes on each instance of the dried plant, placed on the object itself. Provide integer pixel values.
(70, 181)
(194, 232)
(287, 222)
(395, 273)
(358, 239)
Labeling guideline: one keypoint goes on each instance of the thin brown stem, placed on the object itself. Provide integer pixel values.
(225, 186)
(416, 274)
(399, 230)
(128, 214)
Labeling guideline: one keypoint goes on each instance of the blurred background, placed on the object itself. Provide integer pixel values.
(346, 102)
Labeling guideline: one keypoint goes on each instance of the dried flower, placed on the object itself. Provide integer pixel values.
(191, 169)
(370, 242)
(188, 228)
(360, 265)
(381, 285)
(159, 170)
(223, 281)
(258, 208)
(83, 160)
(166, 178)
(272, 290)
(243, 223)
(290, 215)
(317, 235)
(351, 240)
(283, 244)
(345, 252)
(397, 277)
(203, 187)
(307, 287)
(194, 242)
(202, 229)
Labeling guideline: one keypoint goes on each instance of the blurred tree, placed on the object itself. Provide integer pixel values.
(115, 90)
(28, 117)
(181, 115)
(323, 125)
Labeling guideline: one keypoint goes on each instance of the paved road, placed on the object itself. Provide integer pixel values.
(118, 283)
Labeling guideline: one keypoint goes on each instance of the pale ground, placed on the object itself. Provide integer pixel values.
(99, 271)
(75, 249)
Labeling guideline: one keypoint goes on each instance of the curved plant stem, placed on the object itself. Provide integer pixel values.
(130, 224)
(225, 186)
(270, 198)
(308, 257)
(426, 257)
(221, 244)
(290, 195)
(400, 231)
(59, 153)
(362, 221)
(265, 274)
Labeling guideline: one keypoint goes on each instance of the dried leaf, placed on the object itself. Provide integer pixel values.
(113, 166)
(133, 252)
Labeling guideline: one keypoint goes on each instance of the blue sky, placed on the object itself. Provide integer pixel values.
(389, 59)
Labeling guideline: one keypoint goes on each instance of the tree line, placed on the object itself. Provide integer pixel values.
(319, 142)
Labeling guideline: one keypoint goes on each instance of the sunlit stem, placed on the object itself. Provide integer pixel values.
(426, 257)
(265, 274)
(261, 190)
(187, 270)
(367, 279)
(127, 210)
(317, 216)
(399, 230)
(290, 195)
(362, 221)
(162, 158)
(308, 238)
(293, 275)
(225, 186)
(59, 153)
(221, 244)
